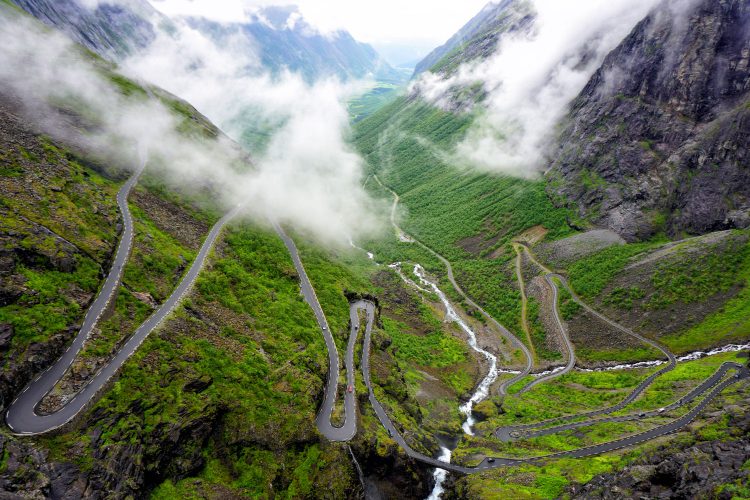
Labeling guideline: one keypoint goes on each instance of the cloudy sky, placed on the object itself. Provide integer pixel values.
(399, 29)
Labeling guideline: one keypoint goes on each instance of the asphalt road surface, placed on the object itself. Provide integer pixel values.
(21, 416)
(694, 394)
(504, 331)
(571, 353)
(505, 432)
(23, 419)
(323, 421)
(709, 390)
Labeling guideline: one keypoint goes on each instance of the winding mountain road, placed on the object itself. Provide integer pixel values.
(571, 352)
(709, 389)
(21, 416)
(550, 276)
(402, 235)
(323, 421)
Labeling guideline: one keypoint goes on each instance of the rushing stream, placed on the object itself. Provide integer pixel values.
(482, 391)
(440, 475)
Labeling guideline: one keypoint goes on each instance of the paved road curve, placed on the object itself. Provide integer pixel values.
(694, 394)
(571, 353)
(710, 389)
(504, 432)
(323, 420)
(505, 332)
(21, 417)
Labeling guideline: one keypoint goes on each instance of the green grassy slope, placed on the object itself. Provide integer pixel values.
(467, 216)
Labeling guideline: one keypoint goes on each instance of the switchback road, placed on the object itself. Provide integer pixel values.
(21, 416)
(449, 268)
(323, 420)
(709, 390)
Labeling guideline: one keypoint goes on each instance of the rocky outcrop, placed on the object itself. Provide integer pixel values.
(478, 39)
(658, 139)
(699, 471)
(114, 30)
(120, 467)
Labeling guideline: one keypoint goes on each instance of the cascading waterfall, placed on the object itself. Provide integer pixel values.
(440, 475)
(483, 390)
(370, 255)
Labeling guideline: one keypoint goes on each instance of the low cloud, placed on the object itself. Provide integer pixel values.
(532, 78)
(307, 176)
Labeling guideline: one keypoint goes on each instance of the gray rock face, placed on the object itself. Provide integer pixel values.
(658, 139)
(699, 471)
(478, 39)
(113, 30)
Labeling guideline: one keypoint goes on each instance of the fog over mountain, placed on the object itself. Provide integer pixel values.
(531, 76)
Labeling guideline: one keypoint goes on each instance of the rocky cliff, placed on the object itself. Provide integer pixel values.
(479, 38)
(113, 30)
(658, 139)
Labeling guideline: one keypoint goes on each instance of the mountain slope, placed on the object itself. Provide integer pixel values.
(113, 30)
(658, 139)
(286, 41)
(480, 36)
(279, 35)
(219, 401)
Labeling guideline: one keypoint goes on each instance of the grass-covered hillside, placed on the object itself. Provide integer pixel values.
(724, 422)
(690, 294)
(221, 399)
(470, 218)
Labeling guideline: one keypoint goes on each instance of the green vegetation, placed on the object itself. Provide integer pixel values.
(128, 315)
(56, 243)
(258, 345)
(618, 355)
(576, 392)
(436, 349)
(590, 275)
(374, 99)
(49, 307)
(731, 323)
(569, 308)
(468, 217)
(623, 298)
(157, 261)
(689, 279)
(127, 86)
(539, 334)
(691, 273)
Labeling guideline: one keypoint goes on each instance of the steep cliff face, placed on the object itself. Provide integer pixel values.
(113, 30)
(658, 139)
(478, 39)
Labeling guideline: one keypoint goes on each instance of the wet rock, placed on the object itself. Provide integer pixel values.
(146, 298)
(6, 334)
(198, 384)
(694, 472)
(7, 262)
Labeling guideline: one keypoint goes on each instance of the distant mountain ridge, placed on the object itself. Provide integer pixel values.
(283, 39)
(286, 40)
(478, 39)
